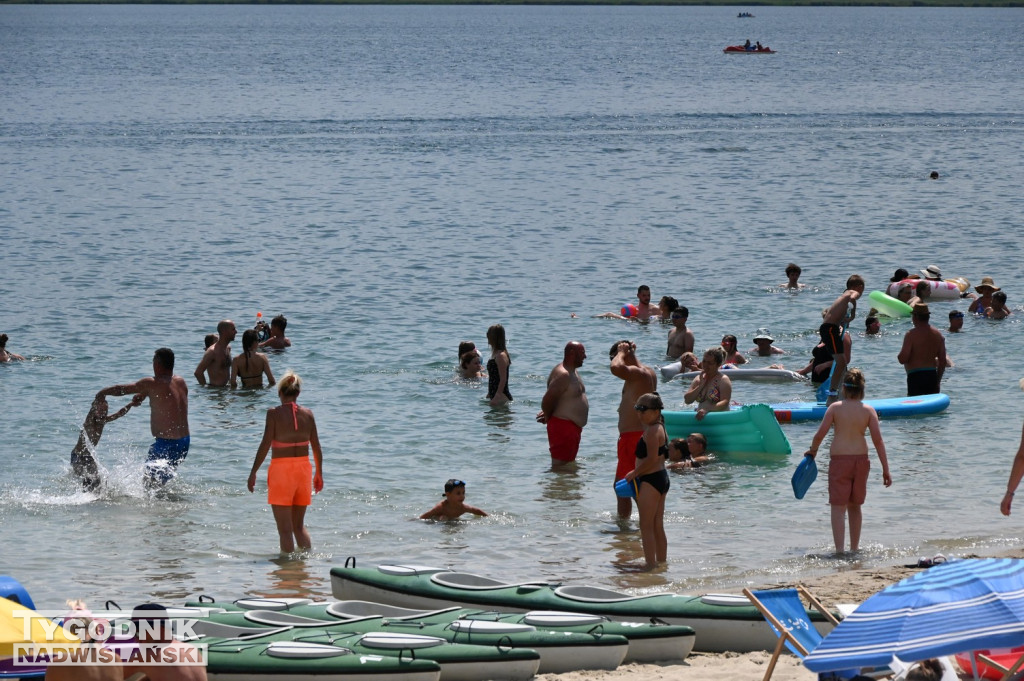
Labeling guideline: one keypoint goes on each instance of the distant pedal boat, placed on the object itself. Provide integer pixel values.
(740, 49)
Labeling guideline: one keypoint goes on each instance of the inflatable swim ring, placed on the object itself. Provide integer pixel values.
(947, 289)
(670, 371)
(889, 306)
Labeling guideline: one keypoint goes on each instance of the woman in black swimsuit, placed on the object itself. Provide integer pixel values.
(497, 367)
(250, 365)
(652, 479)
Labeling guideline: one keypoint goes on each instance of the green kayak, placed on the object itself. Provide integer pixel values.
(722, 622)
(458, 661)
(234, 660)
(648, 642)
(560, 651)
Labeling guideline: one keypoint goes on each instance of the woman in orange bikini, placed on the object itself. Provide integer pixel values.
(289, 433)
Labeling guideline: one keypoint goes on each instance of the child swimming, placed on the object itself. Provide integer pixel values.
(688, 453)
(454, 503)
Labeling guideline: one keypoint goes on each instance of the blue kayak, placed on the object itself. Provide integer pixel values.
(888, 408)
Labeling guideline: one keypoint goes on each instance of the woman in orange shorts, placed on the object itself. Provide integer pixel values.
(289, 433)
(848, 457)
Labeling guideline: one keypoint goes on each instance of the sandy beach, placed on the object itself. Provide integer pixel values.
(851, 586)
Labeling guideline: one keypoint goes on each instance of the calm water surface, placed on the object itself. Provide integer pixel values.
(397, 179)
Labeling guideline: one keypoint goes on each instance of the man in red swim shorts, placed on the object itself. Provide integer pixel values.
(564, 407)
(638, 379)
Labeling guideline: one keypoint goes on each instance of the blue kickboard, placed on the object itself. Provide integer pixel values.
(805, 474)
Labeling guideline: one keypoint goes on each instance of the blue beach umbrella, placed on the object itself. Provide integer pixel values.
(951, 608)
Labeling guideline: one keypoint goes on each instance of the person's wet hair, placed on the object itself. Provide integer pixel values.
(165, 357)
(615, 348)
(718, 353)
(250, 339)
(466, 346)
(496, 338)
(279, 322)
(210, 339)
(853, 384)
(290, 384)
(793, 267)
(999, 297)
(467, 357)
(854, 281)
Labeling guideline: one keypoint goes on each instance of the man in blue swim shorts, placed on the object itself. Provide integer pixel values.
(168, 417)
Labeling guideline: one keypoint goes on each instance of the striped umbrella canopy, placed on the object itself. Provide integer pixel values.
(950, 608)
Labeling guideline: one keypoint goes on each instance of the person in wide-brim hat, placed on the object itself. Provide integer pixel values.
(932, 272)
(986, 288)
(986, 282)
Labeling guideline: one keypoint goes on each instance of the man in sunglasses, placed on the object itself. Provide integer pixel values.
(638, 380)
(680, 338)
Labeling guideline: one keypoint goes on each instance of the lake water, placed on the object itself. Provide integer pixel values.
(397, 179)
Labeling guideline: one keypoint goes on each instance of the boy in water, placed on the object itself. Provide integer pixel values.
(277, 339)
(792, 277)
(454, 503)
(82, 461)
(841, 312)
(848, 458)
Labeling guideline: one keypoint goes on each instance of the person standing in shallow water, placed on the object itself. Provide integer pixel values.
(848, 458)
(651, 478)
(638, 380)
(168, 417)
(564, 409)
(497, 367)
(289, 433)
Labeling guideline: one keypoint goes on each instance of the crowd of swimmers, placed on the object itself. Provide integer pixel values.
(644, 452)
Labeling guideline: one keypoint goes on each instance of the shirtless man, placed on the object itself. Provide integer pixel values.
(680, 338)
(923, 354)
(845, 306)
(639, 380)
(168, 658)
(564, 408)
(644, 310)
(217, 358)
(168, 417)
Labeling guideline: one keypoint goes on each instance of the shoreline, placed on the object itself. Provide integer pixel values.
(852, 586)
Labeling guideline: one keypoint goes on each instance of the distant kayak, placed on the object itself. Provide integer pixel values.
(740, 49)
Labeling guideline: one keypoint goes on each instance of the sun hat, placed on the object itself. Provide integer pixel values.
(932, 272)
(762, 334)
(921, 309)
(986, 282)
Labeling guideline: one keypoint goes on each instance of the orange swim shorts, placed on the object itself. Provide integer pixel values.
(563, 438)
(290, 481)
(848, 479)
(626, 450)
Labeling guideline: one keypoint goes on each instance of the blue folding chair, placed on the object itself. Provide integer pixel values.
(788, 618)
